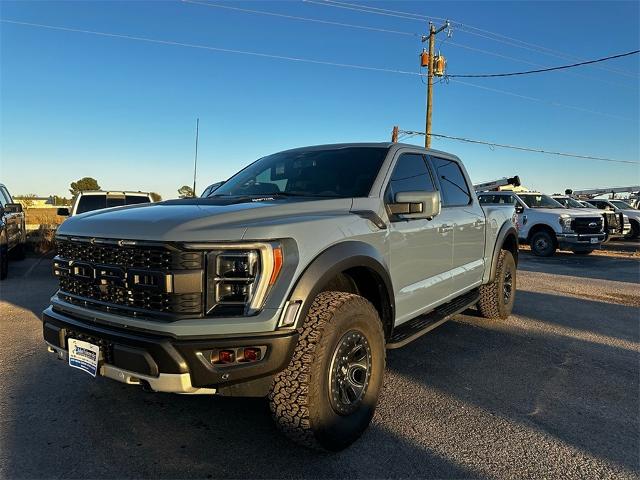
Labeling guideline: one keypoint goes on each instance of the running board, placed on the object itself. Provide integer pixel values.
(415, 328)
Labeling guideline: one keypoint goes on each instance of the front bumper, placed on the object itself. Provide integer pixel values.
(166, 364)
(579, 240)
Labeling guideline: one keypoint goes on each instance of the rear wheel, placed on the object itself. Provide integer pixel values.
(542, 244)
(18, 252)
(497, 298)
(327, 395)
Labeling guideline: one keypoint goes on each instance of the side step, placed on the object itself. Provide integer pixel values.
(415, 328)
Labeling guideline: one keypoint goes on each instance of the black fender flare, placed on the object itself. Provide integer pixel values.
(506, 230)
(337, 259)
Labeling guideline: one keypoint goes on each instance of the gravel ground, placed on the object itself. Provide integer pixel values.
(553, 391)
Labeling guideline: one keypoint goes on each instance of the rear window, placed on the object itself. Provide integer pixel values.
(88, 203)
(135, 199)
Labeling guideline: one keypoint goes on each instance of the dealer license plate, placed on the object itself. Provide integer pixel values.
(84, 355)
(594, 240)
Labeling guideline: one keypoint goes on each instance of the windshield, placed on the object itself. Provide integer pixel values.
(332, 173)
(622, 205)
(569, 202)
(539, 200)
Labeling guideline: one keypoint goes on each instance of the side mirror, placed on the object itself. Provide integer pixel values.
(13, 208)
(519, 209)
(416, 204)
(63, 211)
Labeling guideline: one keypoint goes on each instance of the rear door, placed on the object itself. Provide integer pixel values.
(464, 214)
(419, 249)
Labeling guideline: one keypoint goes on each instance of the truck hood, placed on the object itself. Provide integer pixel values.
(199, 219)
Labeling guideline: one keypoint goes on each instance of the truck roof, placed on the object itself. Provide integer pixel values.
(112, 192)
(385, 145)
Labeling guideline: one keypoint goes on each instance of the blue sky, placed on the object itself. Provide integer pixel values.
(123, 111)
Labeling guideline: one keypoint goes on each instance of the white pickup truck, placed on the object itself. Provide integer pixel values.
(547, 225)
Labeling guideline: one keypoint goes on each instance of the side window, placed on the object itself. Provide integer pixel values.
(409, 175)
(455, 191)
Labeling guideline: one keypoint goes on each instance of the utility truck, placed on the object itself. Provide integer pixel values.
(288, 281)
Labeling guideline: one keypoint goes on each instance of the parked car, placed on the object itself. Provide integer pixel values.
(97, 200)
(13, 234)
(547, 225)
(288, 282)
(616, 224)
(620, 207)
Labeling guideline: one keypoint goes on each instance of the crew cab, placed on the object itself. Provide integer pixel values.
(89, 201)
(620, 206)
(289, 281)
(547, 225)
(13, 234)
(616, 224)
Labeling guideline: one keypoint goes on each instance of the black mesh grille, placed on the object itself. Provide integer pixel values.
(587, 225)
(126, 279)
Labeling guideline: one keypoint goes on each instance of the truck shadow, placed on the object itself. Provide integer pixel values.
(67, 424)
(554, 376)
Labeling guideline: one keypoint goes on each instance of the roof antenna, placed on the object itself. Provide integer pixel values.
(195, 161)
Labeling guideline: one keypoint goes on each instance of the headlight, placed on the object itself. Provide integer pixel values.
(239, 276)
(565, 223)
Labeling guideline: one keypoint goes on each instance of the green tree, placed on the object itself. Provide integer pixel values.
(156, 197)
(83, 185)
(185, 191)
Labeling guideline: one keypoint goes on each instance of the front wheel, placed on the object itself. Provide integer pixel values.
(327, 395)
(497, 297)
(542, 244)
(4, 262)
(635, 231)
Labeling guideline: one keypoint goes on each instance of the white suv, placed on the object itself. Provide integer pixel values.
(547, 225)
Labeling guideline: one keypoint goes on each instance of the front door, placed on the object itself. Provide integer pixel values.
(420, 250)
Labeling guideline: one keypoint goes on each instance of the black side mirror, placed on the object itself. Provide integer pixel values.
(63, 211)
(519, 209)
(13, 208)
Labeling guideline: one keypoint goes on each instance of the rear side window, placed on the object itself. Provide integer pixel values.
(88, 203)
(409, 175)
(497, 199)
(135, 199)
(455, 191)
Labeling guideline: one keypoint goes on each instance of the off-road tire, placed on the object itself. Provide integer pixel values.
(4, 262)
(300, 396)
(492, 303)
(542, 237)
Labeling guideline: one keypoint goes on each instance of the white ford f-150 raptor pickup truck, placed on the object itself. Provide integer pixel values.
(289, 281)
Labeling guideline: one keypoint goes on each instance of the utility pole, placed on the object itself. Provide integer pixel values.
(195, 161)
(430, 65)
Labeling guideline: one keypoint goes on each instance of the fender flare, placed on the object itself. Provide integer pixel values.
(506, 230)
(332, 261)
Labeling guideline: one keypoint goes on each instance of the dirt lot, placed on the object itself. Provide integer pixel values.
(551, 392)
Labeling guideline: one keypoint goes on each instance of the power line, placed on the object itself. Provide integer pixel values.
(550, 69)
(466, 28)
(295, 17)
(540, 100)
(286, 58)
(215, 49)
(525, 149)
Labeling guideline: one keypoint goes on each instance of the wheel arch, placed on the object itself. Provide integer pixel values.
(542, 227)
(507, 239)
(366, 270)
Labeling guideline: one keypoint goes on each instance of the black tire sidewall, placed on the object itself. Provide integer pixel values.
(4, 262)
(542, 253)
(508, 263)
(332, 430)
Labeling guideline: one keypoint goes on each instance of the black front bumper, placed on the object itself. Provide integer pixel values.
(154, 356)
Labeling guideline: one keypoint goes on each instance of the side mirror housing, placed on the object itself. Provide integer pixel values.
(416, 204)
(13, 208)
(63, 211)
(519, 209)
